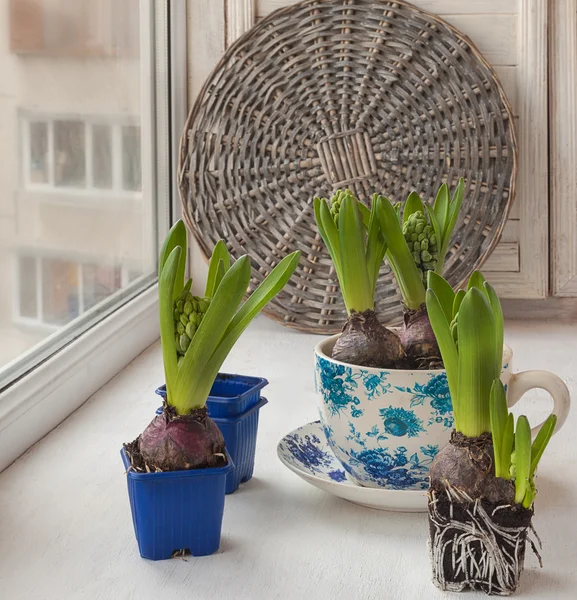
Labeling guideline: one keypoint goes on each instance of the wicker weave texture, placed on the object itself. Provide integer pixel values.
(371, 96)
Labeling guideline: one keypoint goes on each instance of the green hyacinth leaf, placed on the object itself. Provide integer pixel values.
(176, 238)
(507, 444)
(443, 291)
(499, 325)
(330, 235)
(441, 206)
(447, 346)
(412, 205)
(522, 460)
(457, 302)
(215, 270)
(476, 280)
(359, 295)
(376, 246)
(166, 282)
(541, 441)
(476, 334)
(499, 413)
(400, 257)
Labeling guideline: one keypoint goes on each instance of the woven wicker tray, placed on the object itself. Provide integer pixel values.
(372, 96)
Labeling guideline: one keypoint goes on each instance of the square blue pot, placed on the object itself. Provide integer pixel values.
(231, 395)
(240, 438)
(177, 510)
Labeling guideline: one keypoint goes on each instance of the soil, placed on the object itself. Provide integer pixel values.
(511, 555)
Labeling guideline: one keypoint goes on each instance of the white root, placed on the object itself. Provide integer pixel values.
(496, 570)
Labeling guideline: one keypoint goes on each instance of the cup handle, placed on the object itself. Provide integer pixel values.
(520, 383)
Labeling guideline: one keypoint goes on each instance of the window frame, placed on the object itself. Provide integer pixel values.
(37, 401)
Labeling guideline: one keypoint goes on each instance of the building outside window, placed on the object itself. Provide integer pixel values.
(81, 154)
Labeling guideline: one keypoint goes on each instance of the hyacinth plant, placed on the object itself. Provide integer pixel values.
(197, 334)
(482, 490)
(417, 240)
(414, 242)
(352, 236)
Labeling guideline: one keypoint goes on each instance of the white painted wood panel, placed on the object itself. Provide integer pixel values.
(531, 206)
(505, 258)
(494, 35)
(507, 76)
(439, 7)
(563, 144)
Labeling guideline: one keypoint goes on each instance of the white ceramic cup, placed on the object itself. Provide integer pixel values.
(386, 426)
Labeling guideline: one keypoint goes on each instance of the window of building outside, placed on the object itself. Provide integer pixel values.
(78, 225)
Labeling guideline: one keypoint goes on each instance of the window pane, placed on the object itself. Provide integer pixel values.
(98, 283)
(102, 156)
(69, 154)
(38, 152)
(131, 158)
(59, 291)
(27, 300)
(71, 125)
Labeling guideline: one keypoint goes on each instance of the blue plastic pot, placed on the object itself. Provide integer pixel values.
(231, 395)
(177, 510)
(240, 438)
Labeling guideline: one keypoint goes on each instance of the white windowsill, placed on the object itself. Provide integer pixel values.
(66, 530)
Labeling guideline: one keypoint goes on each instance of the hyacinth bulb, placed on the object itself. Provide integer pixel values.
(422, 242)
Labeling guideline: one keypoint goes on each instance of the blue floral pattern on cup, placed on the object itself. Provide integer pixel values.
(384, 426)
(435, 391)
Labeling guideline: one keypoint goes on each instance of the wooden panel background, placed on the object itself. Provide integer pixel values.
(512, 34)
(563, 147)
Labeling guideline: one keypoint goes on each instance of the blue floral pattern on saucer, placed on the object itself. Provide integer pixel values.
(309, 452)
(305, 451)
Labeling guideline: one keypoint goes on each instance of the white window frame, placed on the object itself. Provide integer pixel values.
(37, 401)
(89, 191)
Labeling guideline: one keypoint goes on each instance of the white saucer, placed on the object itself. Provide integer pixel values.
(306, 452)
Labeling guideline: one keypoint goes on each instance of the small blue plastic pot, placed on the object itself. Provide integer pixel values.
(231, 395)
(240, 438)
(177, 510)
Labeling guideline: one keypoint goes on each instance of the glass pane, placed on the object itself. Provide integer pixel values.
(69, 154)
(38, 152)
(27, 299)
(102, 156)
(131, 158)
(59, 291)
(71, 128)
(98, 283)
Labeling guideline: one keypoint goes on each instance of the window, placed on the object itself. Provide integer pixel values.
(54, 291)
(91, 155)
(85, 150)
